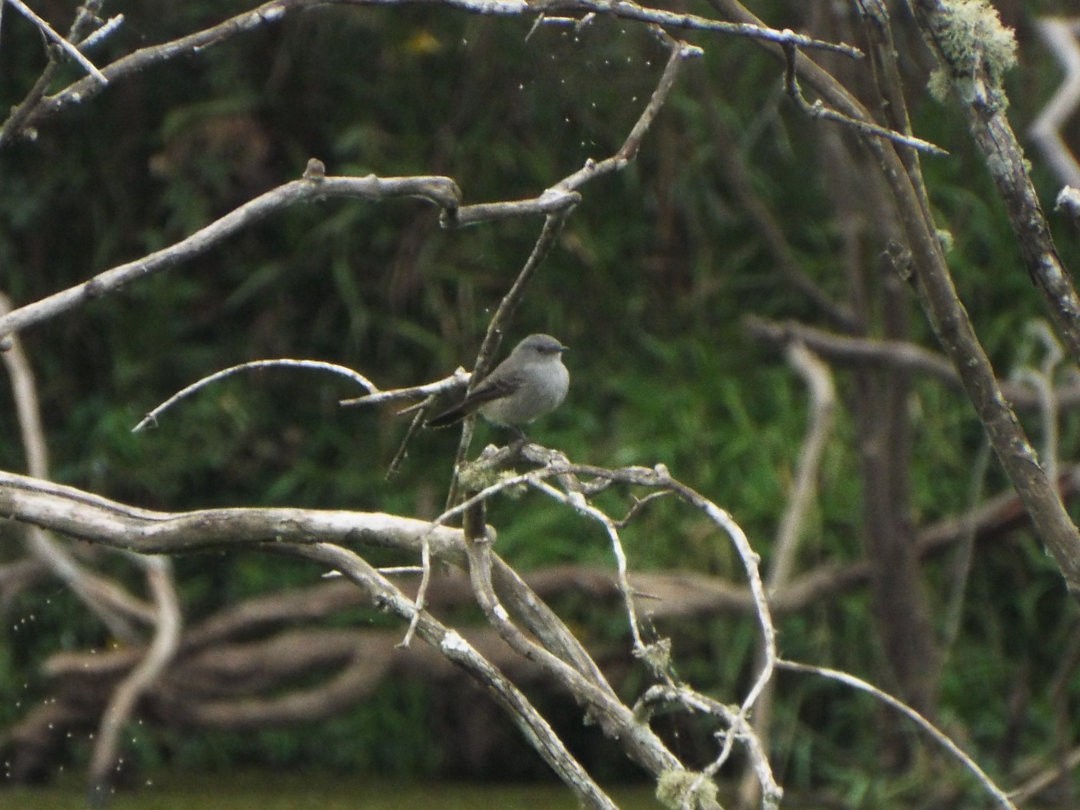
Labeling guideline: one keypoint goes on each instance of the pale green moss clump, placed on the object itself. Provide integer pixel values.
(972, 41)
(478, 475)
(673, 790)
(945, 239)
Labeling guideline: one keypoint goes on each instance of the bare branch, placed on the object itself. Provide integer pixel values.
(1041, 380)
(823, 406)
(578, 503)
(1060, 36)
(818, 379)
(106, 599)
(560, 199)
(91, 517)
(139, 680)
(1047, 777)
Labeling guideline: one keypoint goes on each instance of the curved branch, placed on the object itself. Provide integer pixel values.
(312, 365)
(105, 598)
(1061, 38)
(933, 731)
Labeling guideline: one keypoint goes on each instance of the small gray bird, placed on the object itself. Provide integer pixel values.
(529, 383)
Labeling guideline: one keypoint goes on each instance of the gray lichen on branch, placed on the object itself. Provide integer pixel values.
(976, 49)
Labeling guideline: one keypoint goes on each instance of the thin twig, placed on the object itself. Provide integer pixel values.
(819, 110)
(485, 358)
(420, 601)
(750, 560)
(680, 51)
(961, 566)
(66, 46)
(577, 502)
(417, 422)
(95, 38)
(1063, 766)
(560, 199)
(1041, 380)
(455, 381)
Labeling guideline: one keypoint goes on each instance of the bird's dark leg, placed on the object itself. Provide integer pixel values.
(519, 442)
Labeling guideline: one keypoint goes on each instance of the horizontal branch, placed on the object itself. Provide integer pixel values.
(458, 380)
(860, 351)
(83, 515)
(277, 10)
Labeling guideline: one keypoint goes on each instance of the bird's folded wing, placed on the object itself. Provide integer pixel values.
(487, 391)
(491, 389)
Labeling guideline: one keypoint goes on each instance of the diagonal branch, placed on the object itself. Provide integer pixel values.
(64, 45)
(975, 55)
(440, 190)
(452, 645)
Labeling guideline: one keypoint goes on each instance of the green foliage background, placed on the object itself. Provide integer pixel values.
(649, 284)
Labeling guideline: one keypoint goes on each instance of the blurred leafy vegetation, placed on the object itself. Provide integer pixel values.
(648, 286)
